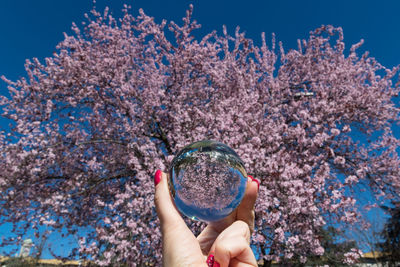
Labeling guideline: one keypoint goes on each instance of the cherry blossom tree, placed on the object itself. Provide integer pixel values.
(91, 124)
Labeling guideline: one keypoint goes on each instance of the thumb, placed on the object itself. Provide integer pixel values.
(166, 210)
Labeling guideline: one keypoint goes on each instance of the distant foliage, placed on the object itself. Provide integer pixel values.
(391, 235)
(19, 262)
(91, 124)
(337, 249)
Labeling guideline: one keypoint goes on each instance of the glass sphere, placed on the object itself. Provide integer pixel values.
(207, 180)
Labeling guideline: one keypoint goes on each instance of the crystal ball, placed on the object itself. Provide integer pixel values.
(207, 180)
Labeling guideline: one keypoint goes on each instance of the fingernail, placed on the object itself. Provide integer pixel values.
(210, 260)
(255, 180)
(216, 264)
(157, 177)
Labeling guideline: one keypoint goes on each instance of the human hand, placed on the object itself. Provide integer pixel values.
(182, 248)
(244, 212)
(231, 248)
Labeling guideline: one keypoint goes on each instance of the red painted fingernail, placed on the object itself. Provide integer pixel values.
(210, 260)
(157, 177)
(216, 264)
(255, 180)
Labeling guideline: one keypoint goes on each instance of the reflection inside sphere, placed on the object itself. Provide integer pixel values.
(207, 180)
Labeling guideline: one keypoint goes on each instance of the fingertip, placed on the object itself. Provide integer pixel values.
(251, 192)
(157, 177)
(255, 181)
(162, 195)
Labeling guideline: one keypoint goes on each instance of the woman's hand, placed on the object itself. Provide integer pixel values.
(182, 248)
(231, 248)
(244, 212)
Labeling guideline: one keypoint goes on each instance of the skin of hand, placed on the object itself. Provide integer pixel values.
(182, 248)
(231, 248)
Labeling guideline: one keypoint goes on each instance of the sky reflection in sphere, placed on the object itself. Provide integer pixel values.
(207, 180)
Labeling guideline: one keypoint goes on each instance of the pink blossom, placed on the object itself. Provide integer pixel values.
(340, 160)
(335, 132)
(352, 256)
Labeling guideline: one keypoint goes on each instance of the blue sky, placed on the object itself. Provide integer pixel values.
(33, 28)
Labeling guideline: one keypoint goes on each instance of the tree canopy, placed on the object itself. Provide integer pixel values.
(90, 125)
